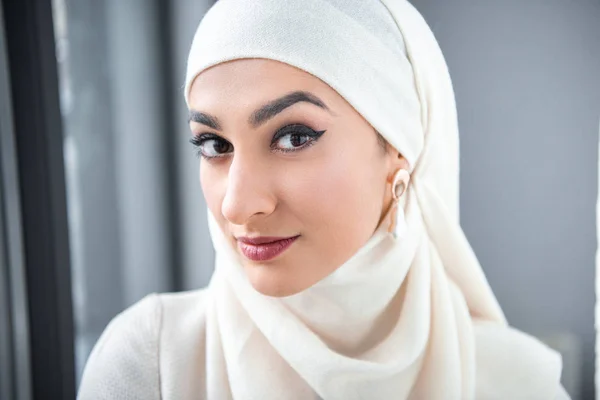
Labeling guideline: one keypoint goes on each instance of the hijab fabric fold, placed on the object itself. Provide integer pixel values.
(400, 319)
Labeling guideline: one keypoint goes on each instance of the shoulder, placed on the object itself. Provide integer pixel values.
(183, 339)
(513, 364)
(128, 342)
(179, 306)
(125, 362)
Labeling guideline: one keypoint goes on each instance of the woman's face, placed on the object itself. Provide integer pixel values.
(283, 155)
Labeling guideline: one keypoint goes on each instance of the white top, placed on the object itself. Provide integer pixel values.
(156, 349)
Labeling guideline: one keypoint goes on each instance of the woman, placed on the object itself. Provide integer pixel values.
(328, 140)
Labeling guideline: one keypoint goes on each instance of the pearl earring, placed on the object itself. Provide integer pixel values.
(399, 185)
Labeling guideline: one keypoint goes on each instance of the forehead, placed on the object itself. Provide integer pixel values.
(253, 81)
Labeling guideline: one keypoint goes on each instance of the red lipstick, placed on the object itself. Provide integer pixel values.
(264, 248)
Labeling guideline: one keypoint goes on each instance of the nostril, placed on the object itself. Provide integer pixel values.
(240, 205)
(248, 193)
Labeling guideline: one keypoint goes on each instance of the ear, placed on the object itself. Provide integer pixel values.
(396, 161)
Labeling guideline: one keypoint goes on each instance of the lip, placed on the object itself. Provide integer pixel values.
(264, 248)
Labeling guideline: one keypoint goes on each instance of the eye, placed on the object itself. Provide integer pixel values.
(294, 137)
(211, 146)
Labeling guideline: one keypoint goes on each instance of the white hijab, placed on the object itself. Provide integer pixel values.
(409, 316)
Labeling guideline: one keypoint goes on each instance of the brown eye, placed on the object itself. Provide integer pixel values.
(211, 146)
(220, 146)
(294, 137)
(293, 140)
(215, 147)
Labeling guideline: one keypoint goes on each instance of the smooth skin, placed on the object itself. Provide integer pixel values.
(333, 190)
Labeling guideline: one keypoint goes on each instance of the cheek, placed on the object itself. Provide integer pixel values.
(211, 182)
(339, 196)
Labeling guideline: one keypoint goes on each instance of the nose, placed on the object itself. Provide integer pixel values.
(248, 190)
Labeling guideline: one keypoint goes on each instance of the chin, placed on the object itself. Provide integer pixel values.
(272, 281)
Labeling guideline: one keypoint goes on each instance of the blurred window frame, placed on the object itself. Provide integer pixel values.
(37, 356)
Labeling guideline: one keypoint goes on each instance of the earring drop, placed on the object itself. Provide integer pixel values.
(399, 185)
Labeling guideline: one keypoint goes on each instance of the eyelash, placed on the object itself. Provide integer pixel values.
(288, 130)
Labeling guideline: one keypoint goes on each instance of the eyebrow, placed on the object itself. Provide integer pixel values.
(264, 113)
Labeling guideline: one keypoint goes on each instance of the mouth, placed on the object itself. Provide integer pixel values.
(264, 248)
